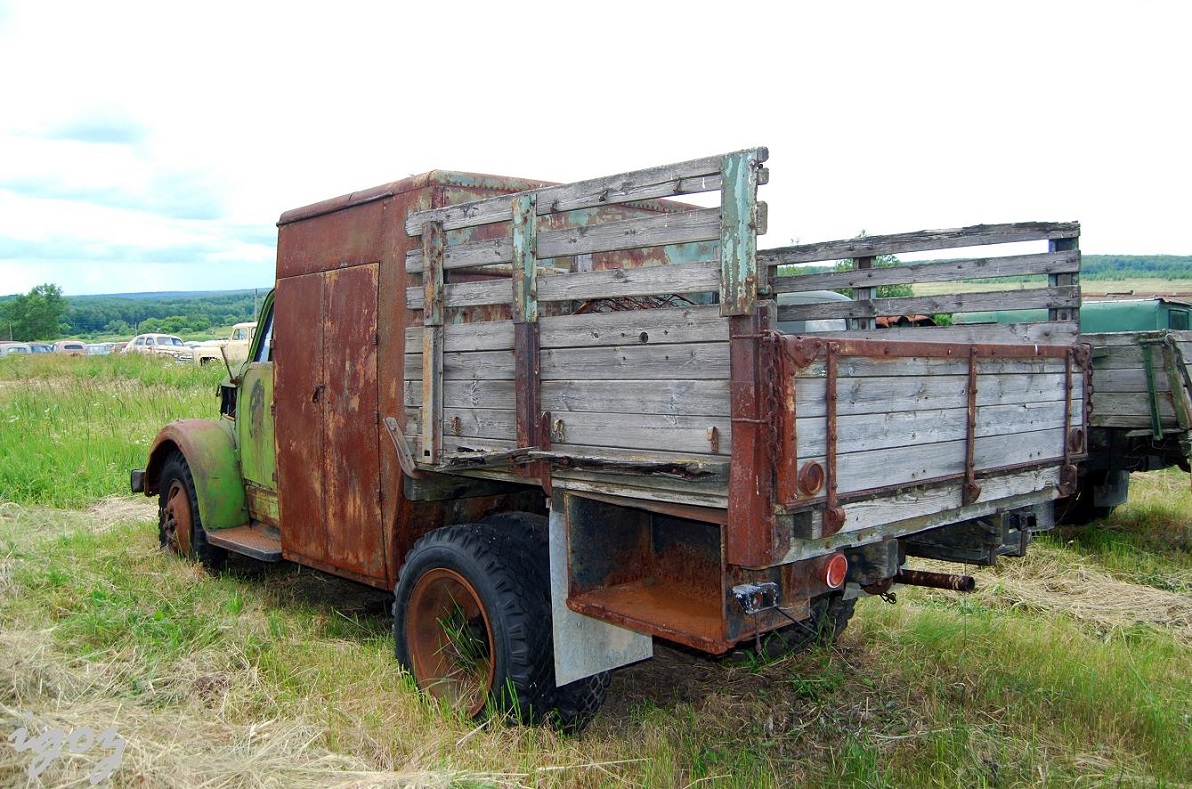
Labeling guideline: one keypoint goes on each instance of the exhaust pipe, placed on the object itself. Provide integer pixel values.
(957, 583)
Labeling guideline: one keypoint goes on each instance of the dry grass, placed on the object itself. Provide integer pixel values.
(1057, 671)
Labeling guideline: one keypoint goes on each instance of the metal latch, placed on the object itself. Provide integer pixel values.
(755, 598)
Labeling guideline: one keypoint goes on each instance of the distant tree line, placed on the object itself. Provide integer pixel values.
(45, 314)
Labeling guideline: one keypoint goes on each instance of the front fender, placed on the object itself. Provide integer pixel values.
(210, 451)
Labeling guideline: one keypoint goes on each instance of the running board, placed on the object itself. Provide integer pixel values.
(259, 542)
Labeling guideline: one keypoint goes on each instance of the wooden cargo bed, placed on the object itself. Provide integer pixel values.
(612, 344)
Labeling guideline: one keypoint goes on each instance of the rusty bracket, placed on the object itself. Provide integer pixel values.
(803, 351)
(971, 491)
(404, 456)
(834, 514)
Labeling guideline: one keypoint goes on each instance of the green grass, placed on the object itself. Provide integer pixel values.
(1072, 666)
(71, 428)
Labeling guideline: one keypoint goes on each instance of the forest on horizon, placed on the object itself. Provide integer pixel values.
(203, 312)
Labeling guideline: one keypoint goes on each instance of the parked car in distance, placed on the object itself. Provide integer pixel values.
(99, 348)
(13, 348)
(70, 347)
(41, 347)
(160, 345)
(235, 348)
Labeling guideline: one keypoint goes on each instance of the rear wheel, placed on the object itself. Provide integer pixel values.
(472, 624)
(179, 526)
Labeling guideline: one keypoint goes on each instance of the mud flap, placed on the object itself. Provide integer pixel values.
(584, 646)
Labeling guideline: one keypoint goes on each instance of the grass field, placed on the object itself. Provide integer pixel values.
(1072, 666)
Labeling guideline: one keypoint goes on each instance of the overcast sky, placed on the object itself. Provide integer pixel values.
(152, 146)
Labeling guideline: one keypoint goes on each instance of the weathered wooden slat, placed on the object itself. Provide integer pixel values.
(667, 325)
(923, 240)
(469, 365)
(1128, 381)
(706, 361)
(678, 398)
(654, 230)
(865, 366)
(467, 294)
(660, 326)
(933, 271)
(700, 361)
(1064, 296)
(478, 336)
(641, 431)
(1052, 333)
(1110, 405)
(672, 180)
(868, 470)
(687, 397)
(913, 428)
(1124, 357)
(1129, 339)
(641, 281)
(925, 501)
(881, 395)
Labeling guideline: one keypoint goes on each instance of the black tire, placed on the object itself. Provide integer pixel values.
(573, 706)
(472, 624)
(576, 703)
(1079, 509)
(830, 615)
(179, 526)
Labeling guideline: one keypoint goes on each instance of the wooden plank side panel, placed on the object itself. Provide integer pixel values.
(934, 271)
(924, 501)
(616, 283)
(912, 429)
(878, 395)
(672, 180)
(676, 398)
(862, 471)
(645, 362)
(651, 230)
(634, 327)
(1051, 333)
(641, 281)
(1067, 296)
(924, 240)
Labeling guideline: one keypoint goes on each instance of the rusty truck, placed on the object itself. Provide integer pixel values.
(559, 421)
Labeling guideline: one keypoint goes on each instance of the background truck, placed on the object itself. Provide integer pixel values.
(234, 349)
(559, 421)
(1140, 396)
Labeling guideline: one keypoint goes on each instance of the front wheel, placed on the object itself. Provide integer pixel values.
(179, 526)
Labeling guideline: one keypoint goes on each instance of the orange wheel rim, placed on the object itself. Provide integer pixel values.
(177, 521)
(450, 640)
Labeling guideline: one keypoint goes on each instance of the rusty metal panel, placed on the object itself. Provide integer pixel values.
(351, 426)
(749, 535)
(298, 360)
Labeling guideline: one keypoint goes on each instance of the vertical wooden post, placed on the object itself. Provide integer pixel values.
(863, 294)
(1055, 280)
(432, 342)
(741, 217)
(525, 318)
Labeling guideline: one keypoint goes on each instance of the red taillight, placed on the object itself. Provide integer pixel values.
(835, 571)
